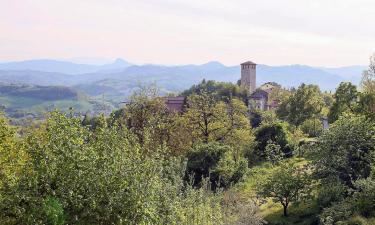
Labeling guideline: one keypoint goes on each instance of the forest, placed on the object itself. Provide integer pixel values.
(219, 161)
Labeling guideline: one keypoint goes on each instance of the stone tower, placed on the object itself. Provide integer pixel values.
(248, 75)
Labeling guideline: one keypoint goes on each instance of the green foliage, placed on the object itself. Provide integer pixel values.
(363, 199)
(306, 103)
(368, 79)
(312, 127)
(345, 150)
(338, 212)
(23, 101)
(258, 117)
(221, 91)
(54, 212)
(277, 133)
(366, 105)
(216, 162)
(77, 176)
(289, 183)
(346, 97)
(331, 191)
(273, 152)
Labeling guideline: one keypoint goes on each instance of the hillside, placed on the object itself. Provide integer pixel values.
(23, 100)
(116, 81)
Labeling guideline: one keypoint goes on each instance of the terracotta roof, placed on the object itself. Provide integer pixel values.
(248, 63)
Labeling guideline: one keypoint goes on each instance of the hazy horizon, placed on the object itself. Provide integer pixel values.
(318, 33)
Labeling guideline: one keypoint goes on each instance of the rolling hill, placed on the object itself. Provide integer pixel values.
(112, 83)
(25, 100)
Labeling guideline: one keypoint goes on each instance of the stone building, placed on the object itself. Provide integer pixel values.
(248, 75)
(258, 97)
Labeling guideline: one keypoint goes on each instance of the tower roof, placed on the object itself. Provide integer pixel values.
(248, 63)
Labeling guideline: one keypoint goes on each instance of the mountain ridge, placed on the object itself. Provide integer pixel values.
(121, 75)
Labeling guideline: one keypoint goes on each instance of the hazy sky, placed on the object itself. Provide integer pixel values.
(274, 32)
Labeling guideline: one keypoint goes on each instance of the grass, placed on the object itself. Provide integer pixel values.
(359, 220)
(299, 214)
(39, 107)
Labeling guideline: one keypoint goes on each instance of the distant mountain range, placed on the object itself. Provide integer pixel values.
(29, 88)
(120, 77)
(48, 65)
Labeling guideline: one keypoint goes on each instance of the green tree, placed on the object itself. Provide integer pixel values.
(287, 184)
(206, 117)
(273, 152)
(145, 115)
(276, 133)
(221, 91)
(368, 79)
(346, 97)
(306, 103)
(216, 162)
(312, 127)
(345, 150)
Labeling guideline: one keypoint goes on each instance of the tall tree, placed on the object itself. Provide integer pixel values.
(206, 116)
(306, 103)
(346, 97)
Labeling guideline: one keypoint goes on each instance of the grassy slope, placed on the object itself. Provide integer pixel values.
(302, 214)
(38, 107)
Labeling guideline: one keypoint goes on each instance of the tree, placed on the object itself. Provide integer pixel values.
(207, 117)
(276, 133)
(345, 150)
(368, 79)
(306, 103)
(287, 184)
(74, 175)
(273, 152)
(221, 91)
(366, 105)
(238, 133)
(216, 162)
(145, 115)
(211, 120)
(312, 127)
(346, 97)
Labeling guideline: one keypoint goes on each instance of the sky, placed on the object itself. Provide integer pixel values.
(326, 33)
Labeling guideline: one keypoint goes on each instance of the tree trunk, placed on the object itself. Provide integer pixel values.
(285, 210)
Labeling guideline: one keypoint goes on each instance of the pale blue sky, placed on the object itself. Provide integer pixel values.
(275, 32)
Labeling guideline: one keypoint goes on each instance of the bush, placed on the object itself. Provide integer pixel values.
(217, 162)
(312, 127)
(76, 176)
(331, 191)
(364, 197)
(278, 134)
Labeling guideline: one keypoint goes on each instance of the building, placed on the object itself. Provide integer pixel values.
(175, 104)
(260, 98)
(248, 75)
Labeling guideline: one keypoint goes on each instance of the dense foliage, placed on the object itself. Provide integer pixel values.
(218, 161)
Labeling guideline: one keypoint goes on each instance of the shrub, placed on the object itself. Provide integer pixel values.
(277, 133)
